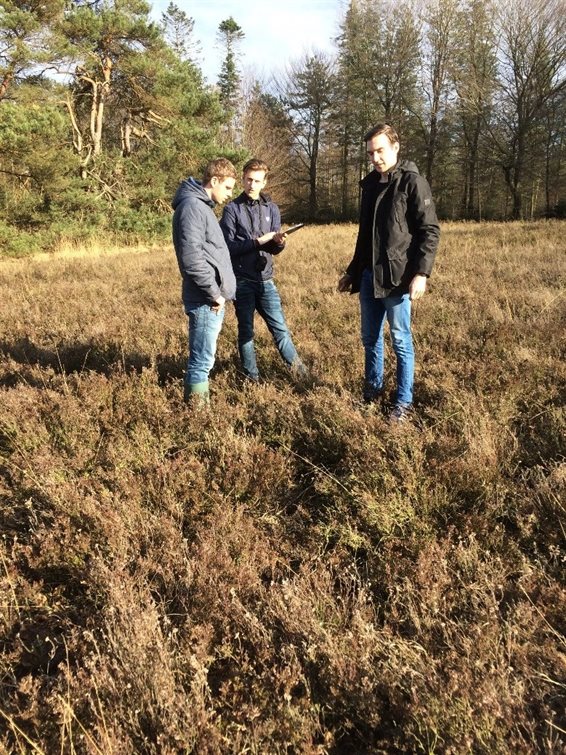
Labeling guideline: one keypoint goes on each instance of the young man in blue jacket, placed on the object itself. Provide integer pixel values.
(204, 262)
(394, 254)
(251, 224)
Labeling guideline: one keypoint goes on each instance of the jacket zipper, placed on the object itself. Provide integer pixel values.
(373, 235)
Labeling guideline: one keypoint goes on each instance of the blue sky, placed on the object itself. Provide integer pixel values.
(277, 31)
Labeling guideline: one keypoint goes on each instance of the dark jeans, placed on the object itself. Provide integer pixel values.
(263, 297)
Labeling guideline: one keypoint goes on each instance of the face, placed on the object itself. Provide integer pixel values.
(382, 153)
(221, 189)
(254, 181)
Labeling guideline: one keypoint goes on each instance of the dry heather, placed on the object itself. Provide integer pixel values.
(283, 572)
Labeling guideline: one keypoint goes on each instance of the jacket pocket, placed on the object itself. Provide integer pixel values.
(397, 262)
(396, 270)
(400, 212)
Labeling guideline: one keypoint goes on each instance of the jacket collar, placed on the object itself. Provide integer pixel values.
(374, 176)
(263, 199)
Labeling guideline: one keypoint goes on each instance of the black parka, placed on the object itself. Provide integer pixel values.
(403, 227)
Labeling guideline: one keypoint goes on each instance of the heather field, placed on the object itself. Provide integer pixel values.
(284, 572)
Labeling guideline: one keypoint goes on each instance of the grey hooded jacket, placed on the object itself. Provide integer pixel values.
(202, 254)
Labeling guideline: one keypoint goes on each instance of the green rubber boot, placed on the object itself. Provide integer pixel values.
(196, 394)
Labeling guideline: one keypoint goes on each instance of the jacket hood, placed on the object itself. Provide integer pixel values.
(190, 187)
(405, 166)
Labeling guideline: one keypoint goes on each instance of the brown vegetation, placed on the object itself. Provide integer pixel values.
(284, 572)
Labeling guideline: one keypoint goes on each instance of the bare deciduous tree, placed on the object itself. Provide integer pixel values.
(532, 66)
(474, 72)
(439, 46)
(307, 92)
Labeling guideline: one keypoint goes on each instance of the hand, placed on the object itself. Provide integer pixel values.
(265, 238)
(345, 283)
(417, 287)
(218, 304)
(280, 237)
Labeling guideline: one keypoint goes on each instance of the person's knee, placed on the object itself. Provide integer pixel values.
(245, 331)
(402, 345)
(280, 335)
(369, 339)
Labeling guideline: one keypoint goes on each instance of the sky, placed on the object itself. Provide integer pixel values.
(276, 31)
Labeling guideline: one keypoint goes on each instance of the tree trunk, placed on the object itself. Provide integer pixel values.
(313, 197)
(517, 205)
(517, 184)
(344, 187)
(96, 119)
(78, 144)
(431, 148)
(6, 81)
(473, 207)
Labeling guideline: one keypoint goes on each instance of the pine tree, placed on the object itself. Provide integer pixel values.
(178, 29)
(230, 34)
(25, 30)
(107, 43)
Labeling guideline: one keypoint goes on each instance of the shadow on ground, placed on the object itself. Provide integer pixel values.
(71, 358)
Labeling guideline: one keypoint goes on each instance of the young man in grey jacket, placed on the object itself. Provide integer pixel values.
(395, 251)
(206, 269)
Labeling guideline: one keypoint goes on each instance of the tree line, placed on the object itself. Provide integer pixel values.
(103, 110)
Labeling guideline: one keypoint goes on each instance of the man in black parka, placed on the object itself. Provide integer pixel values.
(395, 250)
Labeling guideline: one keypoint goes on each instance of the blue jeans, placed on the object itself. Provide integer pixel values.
(204, 329)
(397, 309)
(263, 297)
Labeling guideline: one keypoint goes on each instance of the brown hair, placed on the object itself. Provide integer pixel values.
(221, 168)
(255, 164)
(383, 128)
